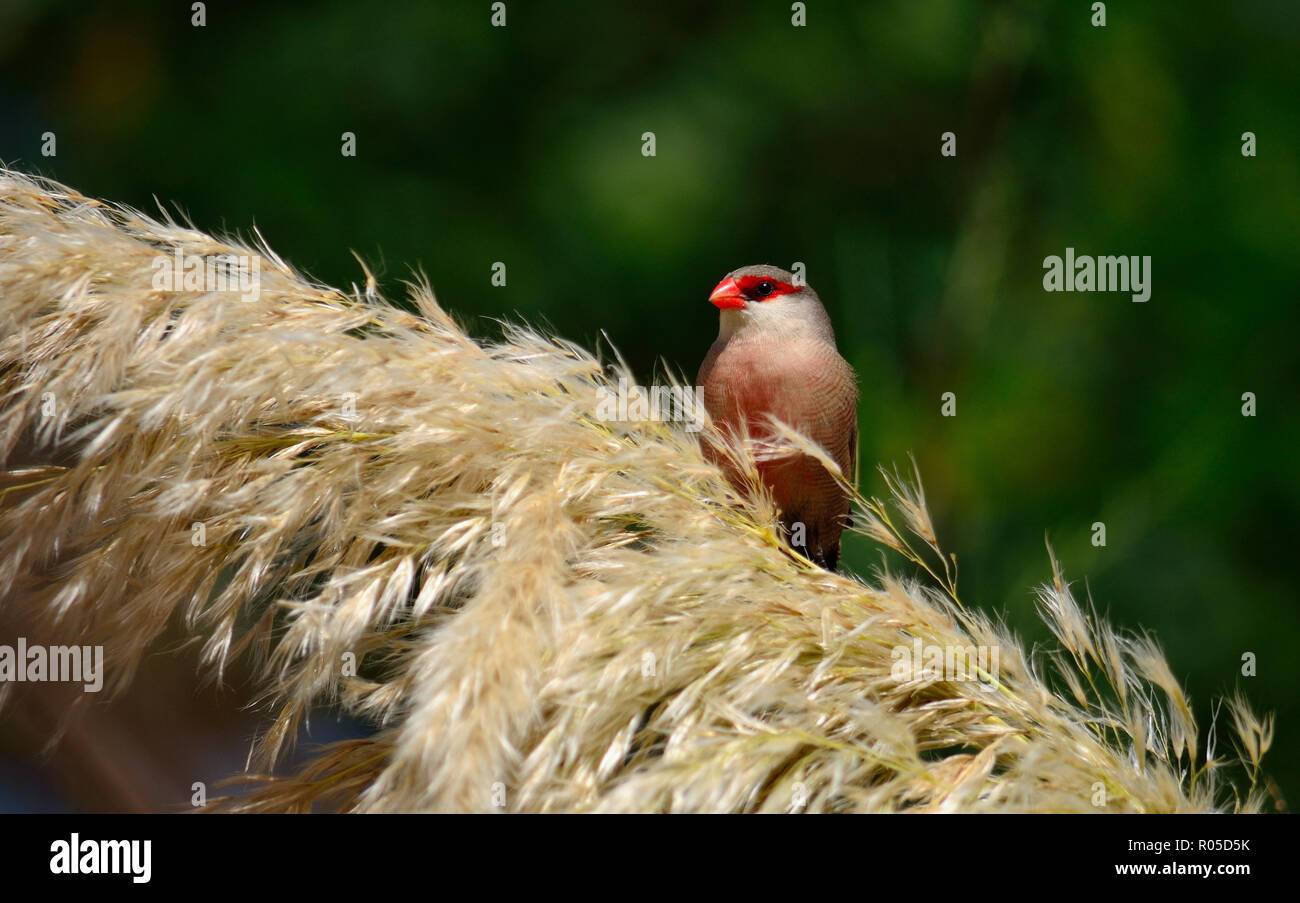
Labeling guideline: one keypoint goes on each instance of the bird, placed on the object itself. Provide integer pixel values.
(775, 357)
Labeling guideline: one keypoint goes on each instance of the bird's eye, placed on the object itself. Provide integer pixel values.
(764, 288)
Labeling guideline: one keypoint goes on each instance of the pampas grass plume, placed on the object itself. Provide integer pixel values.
(539, 611)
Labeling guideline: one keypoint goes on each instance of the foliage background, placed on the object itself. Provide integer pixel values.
(818, 144)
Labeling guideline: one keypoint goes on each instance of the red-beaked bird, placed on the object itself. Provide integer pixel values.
(775, 357)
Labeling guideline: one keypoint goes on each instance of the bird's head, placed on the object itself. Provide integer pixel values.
(767, 297)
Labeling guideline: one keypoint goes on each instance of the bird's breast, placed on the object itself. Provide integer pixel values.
(804, 383)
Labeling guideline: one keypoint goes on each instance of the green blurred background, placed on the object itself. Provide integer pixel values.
(817, 144)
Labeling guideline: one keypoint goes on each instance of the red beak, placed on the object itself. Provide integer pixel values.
(727, 295)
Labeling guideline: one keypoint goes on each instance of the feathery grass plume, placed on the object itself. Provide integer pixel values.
(547, 611)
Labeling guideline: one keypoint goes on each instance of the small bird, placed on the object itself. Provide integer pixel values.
(775, 357)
